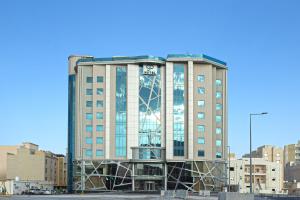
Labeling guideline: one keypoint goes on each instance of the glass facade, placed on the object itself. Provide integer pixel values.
(149, 112)
(88, 152)
(218, 106)
(218, 82)
(218, 118)
(89, 128)
(218, 95)
(99, 152)
(200, 78)
(178, 109)
(99, 115)
(218, 130)
(201, 128)
(121, 108)
(88, 140)
(218, 143)
(99, 128)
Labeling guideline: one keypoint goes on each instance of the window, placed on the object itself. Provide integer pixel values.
(201, 90)
(231, 168)
(218, 130)
(99, 79)
(218, 95)
(99, 140)
(201, 78)
(201, 153)
(99, 91)
(89, 128)
(201, 115)
(99, 152)
(218, 118)
(88, 153)
(88, 140)
(218, 143)
(89, 104)
(99, 128)
(218, 82)
(99, 115)
(273, 179)
(89, 79)
(201, 140)
(89, 116)
(218, 155)
(201, 103)
(89, 92)
(218, 106)
(273, 170)
(99, 104)
(201, 128)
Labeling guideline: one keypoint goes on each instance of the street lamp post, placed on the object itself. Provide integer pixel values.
(228, 168)
(250, 155)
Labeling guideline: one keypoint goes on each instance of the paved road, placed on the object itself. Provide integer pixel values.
(97, 197)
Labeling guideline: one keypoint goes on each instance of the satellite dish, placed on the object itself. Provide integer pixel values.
(17, 178)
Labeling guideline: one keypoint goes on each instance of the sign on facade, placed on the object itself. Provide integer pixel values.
(150, 70)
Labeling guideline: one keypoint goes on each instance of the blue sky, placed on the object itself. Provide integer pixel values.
(258, 39)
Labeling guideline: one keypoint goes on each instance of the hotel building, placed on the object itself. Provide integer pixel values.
(147, 123)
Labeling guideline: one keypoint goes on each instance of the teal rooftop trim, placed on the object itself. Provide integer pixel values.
(199, 56)
(121, 58)
(148, 57)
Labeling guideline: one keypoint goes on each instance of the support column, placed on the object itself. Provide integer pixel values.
(166, 176)
(132, 177)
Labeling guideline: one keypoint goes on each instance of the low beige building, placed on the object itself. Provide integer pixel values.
(267, 176)
(27, 163)
(292, 153)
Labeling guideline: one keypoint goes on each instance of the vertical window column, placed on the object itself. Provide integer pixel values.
(178, 109)
(121, 109)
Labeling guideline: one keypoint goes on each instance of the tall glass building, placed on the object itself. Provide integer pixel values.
(147, 123)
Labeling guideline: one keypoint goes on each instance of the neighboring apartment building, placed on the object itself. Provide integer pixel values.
(147, 123)
(267, 176)
(292, 153)
(27, 163)
(61, 171)
(269, 153)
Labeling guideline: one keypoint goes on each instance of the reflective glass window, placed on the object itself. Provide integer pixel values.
(99, 104)
(218, 143)
(201, 128)
(89, 104)
(201, 103)
(201, 153)
(200, 78)
(201, 90)
(99, 79)
(121, 111)
(200, 115)
(178, 109)
(99, 115)
(218, 95)
(99, 152)
(201, 140)
(218, 118)
(89, 79)
(99, 128)
(99, 140)
(149, 112)
(218, 82)
(89, 92)
(89, 128)
(88, 153)
(218, 130)
(89, 116)
(99, 91)
(89, 140)
(218, 155)
(218, 106)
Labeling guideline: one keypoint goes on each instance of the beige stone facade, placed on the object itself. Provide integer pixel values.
(27, 162)
(267, 176)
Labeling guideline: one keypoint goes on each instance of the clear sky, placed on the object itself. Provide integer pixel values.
(260, 41)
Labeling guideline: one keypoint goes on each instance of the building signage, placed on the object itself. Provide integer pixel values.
(150, 70)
